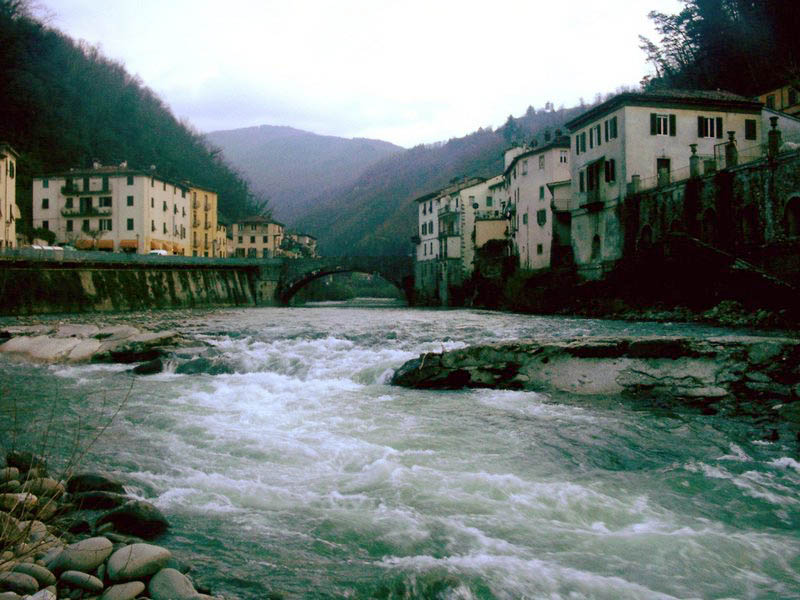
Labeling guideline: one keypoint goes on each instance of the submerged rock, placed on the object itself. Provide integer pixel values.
(136, 517)
(86, 482)
(151, 367)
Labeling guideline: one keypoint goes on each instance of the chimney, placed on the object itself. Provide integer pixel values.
(124, 164)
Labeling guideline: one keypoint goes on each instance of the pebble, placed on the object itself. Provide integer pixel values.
(93, 482)
(43, 486)
(36, 530)
(9, 474)
(18, 582)
(85, 555)
(9, 502)
(169, 584)
(124, 591)
(136, 561)
(82, 580)
(138, 518)
(46, 594)
(39, 573)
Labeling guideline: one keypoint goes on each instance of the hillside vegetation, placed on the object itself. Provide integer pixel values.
(64, 105)
(293, 167)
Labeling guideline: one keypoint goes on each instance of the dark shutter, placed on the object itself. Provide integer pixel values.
(749, 129)
(599, 135)
(606, 128)
(653, 123)
(701, 122)
(672, 125)
(577, 144)
(614, 127)
(719, 127)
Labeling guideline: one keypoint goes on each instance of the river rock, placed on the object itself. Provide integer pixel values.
(44, 486)
(25, 461)
(47, 594)
(18, 582)
(85, 555)
(79, 331)
(116, 332)
(169, 584)
(137, 561)
(151, 367)
(10, 529)
(136, 517)
(12, 596)
(82, 580)
(38, 572)
(17, 502)
(99, 500)
(84, 350)
(35, 530)
(89, 482)
(137, 348)
(123, 591)
(9, 474)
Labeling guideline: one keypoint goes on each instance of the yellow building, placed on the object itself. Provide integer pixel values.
(785, 99)
(204, 240)
(257, 237)
(9, 211)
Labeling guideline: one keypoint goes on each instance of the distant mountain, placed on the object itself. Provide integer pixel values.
(293, 167)
(375, 214)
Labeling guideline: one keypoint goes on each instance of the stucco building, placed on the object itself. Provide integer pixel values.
(257, 237)
(527, 178)
(785, 99)
(638, 141)
(114, 208)
(426, 242)
(9, 211)
(204, 238)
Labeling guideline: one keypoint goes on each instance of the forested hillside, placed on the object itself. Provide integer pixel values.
(376, 213)
(64, 104)
(293, 167)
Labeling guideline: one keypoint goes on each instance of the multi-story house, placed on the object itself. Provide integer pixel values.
(9, 211)
(426, 241)
(638, 140)
(257, 237)
(300, 245)
(204, 222)
(527, 178)
(221, 240)
(113, 208)
(785, 99)
(491, 217)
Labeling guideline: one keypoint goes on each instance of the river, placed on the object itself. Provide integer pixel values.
(303, 472)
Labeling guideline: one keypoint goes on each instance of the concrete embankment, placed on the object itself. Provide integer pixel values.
(749, 374)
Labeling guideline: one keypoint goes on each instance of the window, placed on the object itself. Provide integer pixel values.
(264, 240)
(130, 179)
(85, 184)
(563, 158)
(709, 127)
(68, 203)
(105, 182)
(792, 97)
(583, 141)
(85, 225)
(424, 229)
(749, 129)
(45, 225)
(539, 248)
(45, 203)
(165, 205)
(105, 201)
(252, 239)
(771, 101)
(524, 218)
(488, 201)
(582, 184)
(45, 183)
(424, 209)
(165, 185)
(164, 227)
(152, 202)
(69, 224)
(525, 167)
(612, 127)
(183, 193)
(541, 162)
(541, 192)
(130, 200)
(663, 124)
(130, 224)
(611, 170)
(594, 136)
(425, 250)
(541, 217)
(152, 225)
(105, 224)
(240, 239)
(11, 169)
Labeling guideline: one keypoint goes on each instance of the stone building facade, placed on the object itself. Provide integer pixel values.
(9, 211)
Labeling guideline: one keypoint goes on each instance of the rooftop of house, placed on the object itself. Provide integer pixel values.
(122, 169)
(559, 142)
(427, 197)
(7, 150)
(259, 219)
(671, 98)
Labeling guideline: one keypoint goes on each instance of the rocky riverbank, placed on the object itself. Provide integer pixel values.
(754, 375)
(82, 538)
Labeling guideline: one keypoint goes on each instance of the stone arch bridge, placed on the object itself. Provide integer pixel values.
(279, 279)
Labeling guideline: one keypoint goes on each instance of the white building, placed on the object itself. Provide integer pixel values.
(426, 243)
(9, 211)
(113, 209)
(527, 178)
(640, 140)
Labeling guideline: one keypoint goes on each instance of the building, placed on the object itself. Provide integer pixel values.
(257, 237)
(641, 140)
(9, 211)
(527, 178)
(114, 208)
(221, 240)
(785, 99)
(491, 216)
(300, 245)
(426, 243)
(204, 240)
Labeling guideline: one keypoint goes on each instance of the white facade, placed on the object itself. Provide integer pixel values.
(113, 209)
(527, 179)
(9, 211)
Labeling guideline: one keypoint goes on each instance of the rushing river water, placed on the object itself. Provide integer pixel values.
(303, 472)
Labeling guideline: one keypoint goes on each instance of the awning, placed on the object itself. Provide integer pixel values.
(128, 244)
(155, 245)
(84, 244)
(105, 244)
(15, 211)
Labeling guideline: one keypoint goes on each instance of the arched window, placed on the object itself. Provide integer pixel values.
(791, 217)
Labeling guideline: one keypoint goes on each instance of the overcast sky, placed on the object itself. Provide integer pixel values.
(404, 71)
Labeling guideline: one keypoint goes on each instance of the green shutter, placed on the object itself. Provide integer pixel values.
(701, 122)
(672, 125)
(653, 124)
(606, 130)
(719, 127)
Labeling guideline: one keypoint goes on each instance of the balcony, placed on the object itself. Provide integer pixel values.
(71, 190)
(195, 223)
(490, 215)
(87, 211)
(207, 225)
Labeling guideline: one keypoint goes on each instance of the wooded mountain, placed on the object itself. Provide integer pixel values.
(63, 104)
(376, 214)
(292, 167)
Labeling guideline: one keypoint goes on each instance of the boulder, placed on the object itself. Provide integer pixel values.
(18, 582)
(10, 486)
(15, 596)
(169, 584)
(17, 502)
(39, 573)
(25, 461)
(123, 591)
(43, 595)
(44, 486)
(82, 580)
(79, 331)
(136, 517)
(34, 530)
(83, 350)
(85, 555)
(90, 482)
(10, 529)
(98, 500)
(9, 474)
(137, 561)
(151, 367)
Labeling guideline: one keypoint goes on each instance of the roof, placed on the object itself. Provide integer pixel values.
(5, 148)
(259, 219)
(113, 171)
(671, 98)
(559, 142)
(427, 197)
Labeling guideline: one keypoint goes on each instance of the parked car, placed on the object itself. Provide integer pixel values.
(159, 252)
